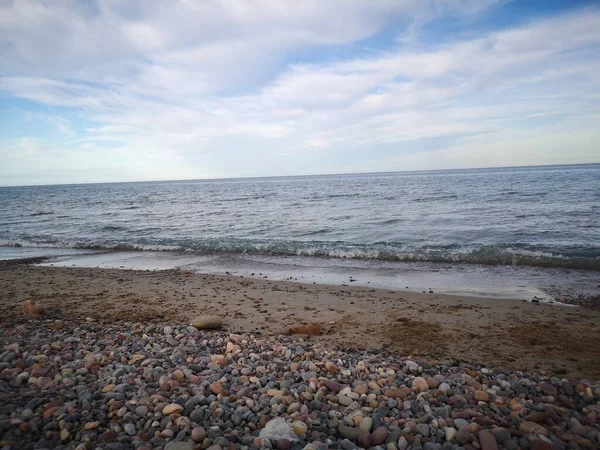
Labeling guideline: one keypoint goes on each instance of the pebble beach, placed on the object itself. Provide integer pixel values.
(70, 385)
(75, 375)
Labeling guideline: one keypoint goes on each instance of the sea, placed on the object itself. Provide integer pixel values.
(515, 232)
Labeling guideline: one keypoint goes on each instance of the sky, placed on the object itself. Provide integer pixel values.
(107, 90)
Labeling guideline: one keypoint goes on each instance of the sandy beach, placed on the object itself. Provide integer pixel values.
(509, 334)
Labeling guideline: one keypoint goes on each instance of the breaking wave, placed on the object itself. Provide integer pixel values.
(507, 255)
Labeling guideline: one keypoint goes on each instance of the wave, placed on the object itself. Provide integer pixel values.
(495, 255)
(113, 228)
(241, 199)
(435, 199)
(315, 232)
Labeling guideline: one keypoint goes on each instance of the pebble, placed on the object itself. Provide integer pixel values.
(300, 428)
(173, 408)
(423, 429)
(482, 396)
(450, 433)
(366, 423)
(420, 384)
(207, 322)
(379, 435)
(501, 434)
(198, 434)
(487, 440)
(177, 445)
(332, 385)
(130, 385)
(464, 435)
(351, 433)
(364, 439)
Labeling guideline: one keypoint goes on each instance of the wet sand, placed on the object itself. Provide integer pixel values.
(509, 334)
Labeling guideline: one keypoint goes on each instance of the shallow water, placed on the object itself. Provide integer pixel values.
(461, 279)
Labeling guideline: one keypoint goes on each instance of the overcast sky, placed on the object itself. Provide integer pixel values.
(114, 90)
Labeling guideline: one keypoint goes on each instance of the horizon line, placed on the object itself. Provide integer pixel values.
(298, 175)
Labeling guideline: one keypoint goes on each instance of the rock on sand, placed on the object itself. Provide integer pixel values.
(207, 322)
(33, 308)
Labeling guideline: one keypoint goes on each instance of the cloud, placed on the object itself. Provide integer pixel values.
(27, 145)
(242, 88)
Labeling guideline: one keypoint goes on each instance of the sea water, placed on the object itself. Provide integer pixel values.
(529, 223)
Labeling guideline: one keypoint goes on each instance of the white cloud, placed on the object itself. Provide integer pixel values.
(27, 146)
(204, 86)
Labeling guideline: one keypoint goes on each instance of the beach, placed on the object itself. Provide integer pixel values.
(113, 363)
(291, 225)
(511, 334)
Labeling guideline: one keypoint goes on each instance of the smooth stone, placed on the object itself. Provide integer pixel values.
(64, 434)
(332, 385)
(173, 408)
(501, 435)
(450, 433)
(487, 440)
(518, 388)
(344, 401)
(538, 444)
(548, 389)
(364, 439)
(402, 443)
(179, 445)
(365, 424)
(197, 415)
(283, 444)
(401, 393)
(431, 446)
(198, 434)
(129, 429)
(300, 428)
(464, 435)
(482, 396)
(423, 429)
(348, 445)
(459, 423)
(207, 322)
(532, 427)
(362, 389)
(379, 435)
(351, 433)
(91, 425)
(218, 389)
(420, 384)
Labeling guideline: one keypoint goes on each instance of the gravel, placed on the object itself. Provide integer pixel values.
(72, 385)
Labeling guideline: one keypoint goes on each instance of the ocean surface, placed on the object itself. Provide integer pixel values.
(534, 218)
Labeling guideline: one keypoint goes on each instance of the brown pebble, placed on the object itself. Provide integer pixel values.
(198, 434)
(538, 444)
(217, 388)
(379, 436)
(487, 440)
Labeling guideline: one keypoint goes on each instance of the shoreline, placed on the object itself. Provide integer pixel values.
(498, 281)
(508, 334)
